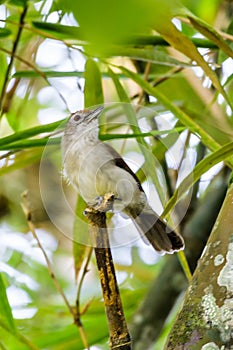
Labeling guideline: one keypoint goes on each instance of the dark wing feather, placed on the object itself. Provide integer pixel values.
(119, 161)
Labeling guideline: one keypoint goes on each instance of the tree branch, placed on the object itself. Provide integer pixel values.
(119, 334)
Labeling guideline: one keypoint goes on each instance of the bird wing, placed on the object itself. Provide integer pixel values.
(119, 161)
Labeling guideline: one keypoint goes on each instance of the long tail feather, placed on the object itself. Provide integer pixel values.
(158, 233)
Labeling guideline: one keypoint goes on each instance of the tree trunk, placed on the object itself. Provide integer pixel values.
(148, 322)
(206, 319)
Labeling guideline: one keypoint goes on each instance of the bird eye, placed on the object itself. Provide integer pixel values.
(77, 117)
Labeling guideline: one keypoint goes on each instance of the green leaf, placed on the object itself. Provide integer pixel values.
(201, 168)
(93, 92)
(5, 309)
(185, 119)
(18, 337)
(20, 3)
(21, 145)
(102, 24)
(209, 32)
(147, 54)
(4, 32)
(133, 123)
(22, 160)
(183, 44)
(25, 134)
(3, 65)
(156, 40)
(105, 137)
(59, 31)
(49, 74)
(48, 141)
(30, 74)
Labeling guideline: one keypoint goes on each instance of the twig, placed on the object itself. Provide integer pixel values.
(15, 45)
(7, 154)
(79, 312)
(85, 270)
(119, 334)
(27, 63)
(38, 71)
(72, 310)
(167, 75)
(142, 92)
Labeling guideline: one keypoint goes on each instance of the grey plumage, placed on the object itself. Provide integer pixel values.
(94, 168)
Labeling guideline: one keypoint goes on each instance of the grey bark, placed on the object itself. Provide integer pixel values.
(147, 323)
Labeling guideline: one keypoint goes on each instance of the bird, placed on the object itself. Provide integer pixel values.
(95, 168)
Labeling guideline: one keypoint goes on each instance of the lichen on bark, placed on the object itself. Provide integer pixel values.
(206, 319)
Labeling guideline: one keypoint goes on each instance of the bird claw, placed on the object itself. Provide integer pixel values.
(103, 203)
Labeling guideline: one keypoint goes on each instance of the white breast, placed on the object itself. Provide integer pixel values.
(92, 170)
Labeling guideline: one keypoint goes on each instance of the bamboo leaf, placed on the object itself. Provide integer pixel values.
(3, 65)
(113, 24)
(146, 54)
(183, 44)
(5, 309)
(201, 168)
(93, 92)
(46, 141)
(31, 74)
(4, 32)
(157, 40)
(209, 32)
(133, 123)
(21, 145)
(58, 31)
(24, 134)
(19, 338)
(23, 159)
(20, 3)
(183, 117)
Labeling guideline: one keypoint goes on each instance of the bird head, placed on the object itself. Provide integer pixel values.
(82, 120)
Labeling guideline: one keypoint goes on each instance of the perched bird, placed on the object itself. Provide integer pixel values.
(95, 168)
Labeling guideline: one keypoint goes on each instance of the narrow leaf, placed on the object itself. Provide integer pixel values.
(148, 55)
(182, 116)
(201, 168)
(5, 309)
(156, 40)
(22, 160)
(4, 32)
(36, 130)
(209, 32)
(133, 123)
(57, 30)
(21, 145)
(183, 44)
(93, 92)
(49, 74)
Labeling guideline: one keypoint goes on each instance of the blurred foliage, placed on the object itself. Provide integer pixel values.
(169, 64)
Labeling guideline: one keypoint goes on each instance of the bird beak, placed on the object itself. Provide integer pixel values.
(95, 113)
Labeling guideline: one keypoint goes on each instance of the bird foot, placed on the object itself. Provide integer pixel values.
(103, 203)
